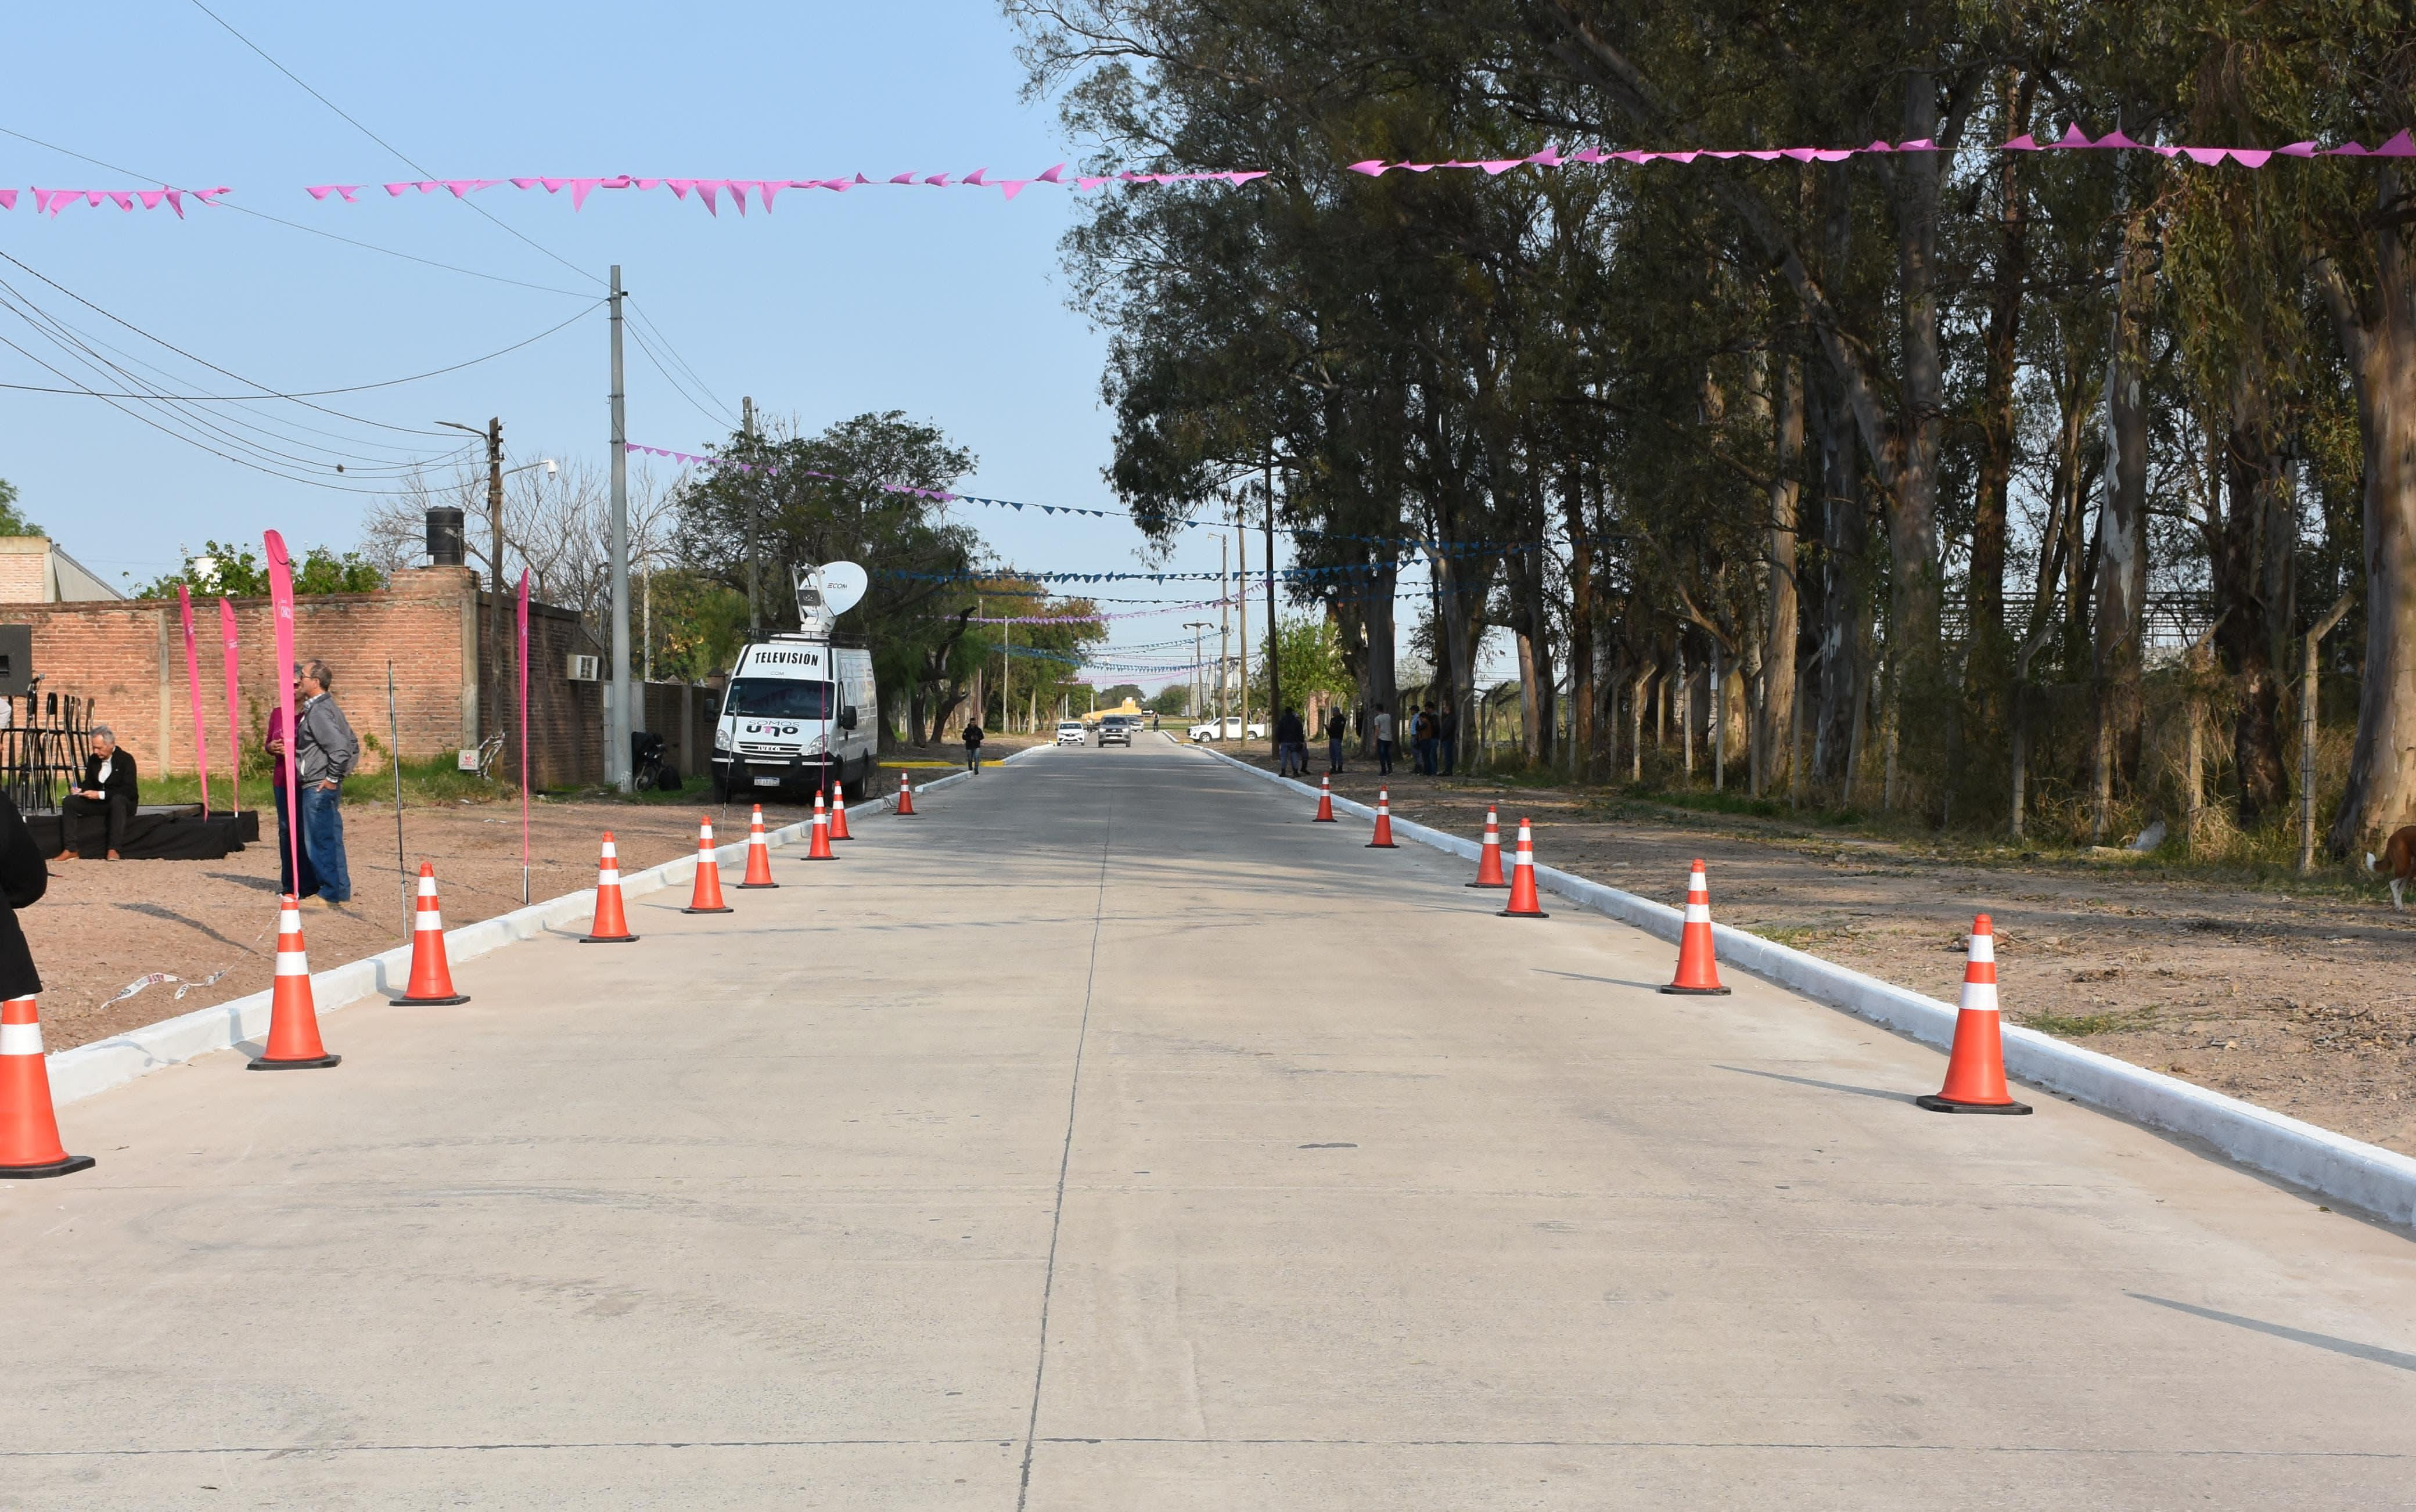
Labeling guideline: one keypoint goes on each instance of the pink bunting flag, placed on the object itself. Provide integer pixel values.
(7, 199)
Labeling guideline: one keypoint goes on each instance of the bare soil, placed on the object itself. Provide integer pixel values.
(2296, 1001)
(105, 925)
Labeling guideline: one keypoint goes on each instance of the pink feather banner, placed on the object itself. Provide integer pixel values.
(234, 740)
(193, 686)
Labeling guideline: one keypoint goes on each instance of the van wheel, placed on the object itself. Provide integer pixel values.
(854, 786)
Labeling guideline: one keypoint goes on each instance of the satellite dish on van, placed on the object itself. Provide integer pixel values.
(843, 586)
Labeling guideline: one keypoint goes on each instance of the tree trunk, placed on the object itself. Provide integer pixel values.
(2379, 336)
(2247, 633)
(2001, 353)
(1845, 601)
(1771, 743)
(1580, 627)
(2123, 526)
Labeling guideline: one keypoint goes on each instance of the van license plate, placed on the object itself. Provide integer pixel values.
(767, 781)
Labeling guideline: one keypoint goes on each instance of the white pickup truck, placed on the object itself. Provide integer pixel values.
(1232, 729)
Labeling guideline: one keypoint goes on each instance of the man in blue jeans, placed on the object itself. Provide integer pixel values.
(326, 748)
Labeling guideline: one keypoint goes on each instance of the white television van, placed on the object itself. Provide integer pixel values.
(801, 713)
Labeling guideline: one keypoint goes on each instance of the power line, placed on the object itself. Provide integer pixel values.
(384, 142)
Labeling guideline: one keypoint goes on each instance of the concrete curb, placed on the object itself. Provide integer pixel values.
(2379, 1181)
(103, 1063)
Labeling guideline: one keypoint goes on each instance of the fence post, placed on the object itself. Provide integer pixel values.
(2307, 736)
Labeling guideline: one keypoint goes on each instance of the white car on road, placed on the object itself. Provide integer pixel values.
(1207, 729)
(1070, 732)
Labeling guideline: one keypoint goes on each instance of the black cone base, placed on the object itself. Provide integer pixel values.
(67, 1167)
(1381, 845)
(608, 939)
(321, 1064)
(1943, 1105)
(1501, 886)
(1515, 913)
(431, 1002)
(1675, 991)
(723, 909)
(1325, 820)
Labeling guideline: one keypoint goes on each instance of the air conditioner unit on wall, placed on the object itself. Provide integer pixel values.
(587, 669)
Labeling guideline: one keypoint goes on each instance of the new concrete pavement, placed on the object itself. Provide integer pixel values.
(1109, 1137)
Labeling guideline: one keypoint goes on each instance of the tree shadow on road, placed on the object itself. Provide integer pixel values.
(2349, 1347)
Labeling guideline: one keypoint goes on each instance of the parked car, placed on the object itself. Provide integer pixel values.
(1070, 732)
(1116, 730)
(1232, 729)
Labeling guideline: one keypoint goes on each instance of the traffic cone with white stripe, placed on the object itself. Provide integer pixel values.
(1524, 904)
(706, 897)
(293, 1015)
(1488, 860)
(1325, 801)
(758, 850)
(1383, 840)
(1698, 974)
(838, 812)
(1975, 1067)
(611, 926)
(905, 808)
(29, 1124)
(818, 849)
(432, 974)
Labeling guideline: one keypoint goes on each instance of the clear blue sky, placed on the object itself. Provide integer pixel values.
(948, 304)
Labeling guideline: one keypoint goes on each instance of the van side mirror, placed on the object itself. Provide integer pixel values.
(847, 718)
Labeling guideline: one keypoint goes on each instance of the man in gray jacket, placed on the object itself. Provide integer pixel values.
(326, 748)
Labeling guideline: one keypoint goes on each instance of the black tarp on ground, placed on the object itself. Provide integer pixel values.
(161, 832)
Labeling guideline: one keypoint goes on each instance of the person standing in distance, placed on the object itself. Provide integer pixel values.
(307, 886)
(324, 750)
(23, 879)
(973, 745)
(1383, 733)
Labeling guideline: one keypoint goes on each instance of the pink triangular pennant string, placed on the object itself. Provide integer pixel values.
(553, 186)
(769, 188)
(974, 177)
(1495, 167)
(1013, 187)
(396, 190)
(2400, 145)
(1052, 177)
(1373, 168)
(176, 201)
(2025, 142)
(580, 190)
(2298, 149)
(1086, 185)
(679, 186)
(2205, 157)
(123, 199)
(7, 199)
(1548, 158)
(2116, 139)
(151, 198)
(522, 183)
(907, 178)
(2251, 156)
(938, 180)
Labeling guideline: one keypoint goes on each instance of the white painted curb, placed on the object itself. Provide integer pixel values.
(86, 1070)
(2334, 1165)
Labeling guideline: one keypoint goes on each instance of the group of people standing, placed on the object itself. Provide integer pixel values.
(1434, 736)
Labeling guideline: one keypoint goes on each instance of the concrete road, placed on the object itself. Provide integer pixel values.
(1111, 1137)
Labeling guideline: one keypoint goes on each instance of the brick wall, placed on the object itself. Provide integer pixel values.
(129, 658)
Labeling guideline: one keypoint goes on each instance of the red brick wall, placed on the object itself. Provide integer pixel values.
(129, 658)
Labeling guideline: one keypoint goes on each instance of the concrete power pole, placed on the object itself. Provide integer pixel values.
(1199, 705)
(616, 720)
(1242, 600)
(500, 663)
(1271, 645)
(1224, 635)
(754, 514)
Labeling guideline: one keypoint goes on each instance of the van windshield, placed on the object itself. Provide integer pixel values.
(778, 698)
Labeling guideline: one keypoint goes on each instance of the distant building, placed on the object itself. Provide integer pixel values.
(32, 571)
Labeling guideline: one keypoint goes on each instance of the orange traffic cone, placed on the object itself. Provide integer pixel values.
(819, 848)
(706, 898)
(1524, 904)
(838, 813)
(292, 1017)
(432, 974)
(29, 1126)
(759, 853)
(611, 926)
(1383, 840)
(1975, 1067)
(1697, 975)
(905, 808)
(1325, 801)
(1488, 860)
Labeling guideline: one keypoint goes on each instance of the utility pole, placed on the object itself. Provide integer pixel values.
(1242, 600)
(503, 633)
(754, 514)
(616, 721)
(1274, 645)
(1198, 665)
(1224, 635)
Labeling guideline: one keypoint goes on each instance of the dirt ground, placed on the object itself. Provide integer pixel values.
(105, 925)
(2299, 1004)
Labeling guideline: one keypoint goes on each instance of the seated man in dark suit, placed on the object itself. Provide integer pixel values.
(106, 793)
